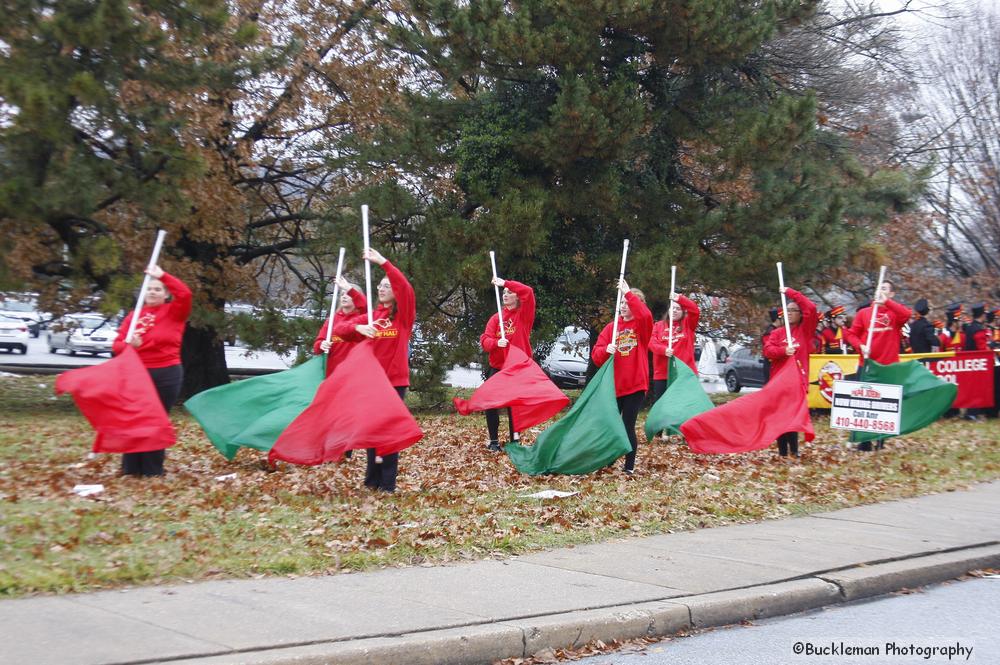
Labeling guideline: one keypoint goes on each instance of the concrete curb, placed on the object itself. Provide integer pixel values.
(485, 643)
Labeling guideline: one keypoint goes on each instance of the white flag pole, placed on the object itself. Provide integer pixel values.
(871, 324)
(784, 305)
(618, 297)
(673, 283)
(157, 246)
(368, 264)
(496, 290)
(336, 295)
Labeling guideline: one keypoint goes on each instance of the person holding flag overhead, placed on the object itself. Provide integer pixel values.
(684, 313)
(801, 316)
(389, 332)
(157, 340)
(518, 314)
(634, 326)
(352, 305)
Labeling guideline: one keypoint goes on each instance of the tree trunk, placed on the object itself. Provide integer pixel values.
(204, 357)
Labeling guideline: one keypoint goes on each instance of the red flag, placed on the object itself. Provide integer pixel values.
(754, 421)
(120, 401)
(520, 385)
(355, 407)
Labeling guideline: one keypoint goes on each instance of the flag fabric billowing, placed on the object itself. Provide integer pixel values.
(355, 407)
(683, 399)
(254, 412)
(520, 385)
(753, 421)
(590, 437)
(120, 401)
(925, 396)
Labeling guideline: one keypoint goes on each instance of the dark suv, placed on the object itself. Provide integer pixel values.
(744, 369)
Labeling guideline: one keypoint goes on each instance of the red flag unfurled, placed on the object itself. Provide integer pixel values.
(120, 401)
(520, 385)
(754, 421)
(355, 407)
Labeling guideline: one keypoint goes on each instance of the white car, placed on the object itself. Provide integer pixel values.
(13, 334)
(23, 308)
(83, 333)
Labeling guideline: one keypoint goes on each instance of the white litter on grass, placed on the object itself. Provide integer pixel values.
(228, 476)
(87, 490)
(548, 494)
(992, 577)
(42, 385)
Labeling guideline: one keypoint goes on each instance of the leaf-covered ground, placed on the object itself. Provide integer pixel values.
(455, 500)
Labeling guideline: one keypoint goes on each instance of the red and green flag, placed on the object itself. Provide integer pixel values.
(925, 396)
(120, 401)
(520, 385)
(590, 437)
(683, 399)
(753, 421)
(254, 412)
(356, 407)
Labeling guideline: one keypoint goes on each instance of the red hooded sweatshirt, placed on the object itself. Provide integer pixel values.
(517, 325)
(161, 327)
(339, 347)
(392, 331)
(802, 334)
(683, 339)
(888, 332)
(631, 361)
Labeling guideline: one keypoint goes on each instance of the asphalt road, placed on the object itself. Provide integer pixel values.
(956, 615)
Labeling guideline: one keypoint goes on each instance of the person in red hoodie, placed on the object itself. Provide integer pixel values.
(635, 327)
(518, 320)
(157, 340)
(351, 304)
(802, 319)
(686, 314)
(392, 325)
(887, 337)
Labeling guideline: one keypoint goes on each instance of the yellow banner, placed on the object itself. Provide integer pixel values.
(826, 368)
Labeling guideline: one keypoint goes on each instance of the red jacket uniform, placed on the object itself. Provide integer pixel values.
(888, 331)
(683, 339)
(631, 363)
(161, 327)
(802, 334)
(392, 333)
(517, 325)
(338, 346)
(833, 340)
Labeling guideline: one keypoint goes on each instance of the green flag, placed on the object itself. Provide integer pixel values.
(590, 437)
(925, 396)
(254, 412)
(684, 398)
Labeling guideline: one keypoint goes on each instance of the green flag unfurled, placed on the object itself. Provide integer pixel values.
(684, 398)
(591, 436)
(925, 396)
(254, 412)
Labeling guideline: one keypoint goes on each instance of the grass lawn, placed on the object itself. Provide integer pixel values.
(456, 501)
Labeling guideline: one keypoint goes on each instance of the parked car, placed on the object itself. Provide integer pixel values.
(25, 309)
(83, 333)
(744, 369)
(567, 362)
(13, 334)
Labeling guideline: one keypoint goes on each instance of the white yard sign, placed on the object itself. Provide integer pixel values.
(866, 407)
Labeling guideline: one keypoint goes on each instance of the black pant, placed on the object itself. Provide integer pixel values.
(659, 387)
(493, 417)
(788, 443)
(382, 476)
(628, 406)
(168, 382)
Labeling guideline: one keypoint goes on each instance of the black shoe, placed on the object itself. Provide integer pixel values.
(493, 447)
(865, 446)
